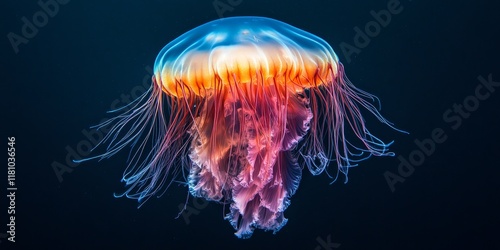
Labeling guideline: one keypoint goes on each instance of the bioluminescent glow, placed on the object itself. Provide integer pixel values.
(238, 108)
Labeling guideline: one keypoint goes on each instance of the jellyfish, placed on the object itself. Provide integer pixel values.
(237, 109)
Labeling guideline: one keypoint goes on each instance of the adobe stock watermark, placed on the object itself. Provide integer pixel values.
(94, 136)
(372, 29)
(39, 19)
(186, 210)
(223, 6)
(454, 118)
(327, 244)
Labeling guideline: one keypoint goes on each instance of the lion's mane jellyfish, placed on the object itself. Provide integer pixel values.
(237, 109)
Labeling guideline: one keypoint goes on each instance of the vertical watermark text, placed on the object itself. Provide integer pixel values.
(11, 188)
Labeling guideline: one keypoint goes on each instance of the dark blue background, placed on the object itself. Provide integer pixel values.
(424, 61)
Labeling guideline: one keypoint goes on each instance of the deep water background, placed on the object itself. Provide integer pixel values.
(423, 62)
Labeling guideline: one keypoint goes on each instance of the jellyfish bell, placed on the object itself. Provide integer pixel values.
(239, 106)
(243, 49)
